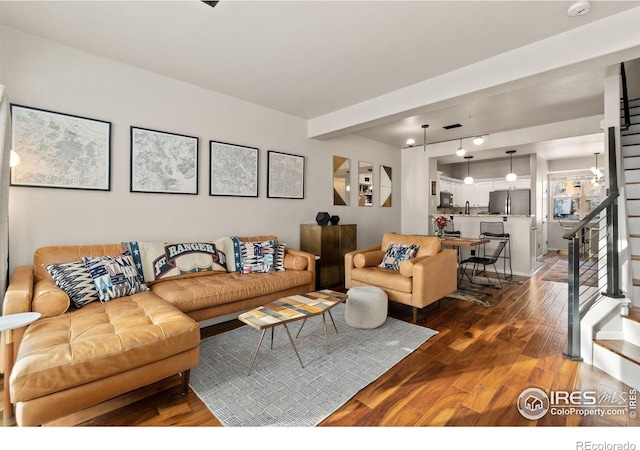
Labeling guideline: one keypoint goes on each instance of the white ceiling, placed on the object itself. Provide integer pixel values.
(311, 58)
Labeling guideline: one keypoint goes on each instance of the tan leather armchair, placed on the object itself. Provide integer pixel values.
(422, 280)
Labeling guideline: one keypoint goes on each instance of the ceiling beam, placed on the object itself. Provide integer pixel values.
(597, 44)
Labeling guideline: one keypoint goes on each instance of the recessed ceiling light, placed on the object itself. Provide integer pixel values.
(579, 9)
(478, 140)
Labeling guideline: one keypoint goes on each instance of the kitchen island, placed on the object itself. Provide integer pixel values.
(521, 230)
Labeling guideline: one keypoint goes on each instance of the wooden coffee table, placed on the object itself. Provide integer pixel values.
(291, 309)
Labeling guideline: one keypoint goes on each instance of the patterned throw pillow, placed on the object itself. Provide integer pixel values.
(157, 261)
(75, 280)
(114, 276)
(254, 256)
(396, 253)
(278, 258)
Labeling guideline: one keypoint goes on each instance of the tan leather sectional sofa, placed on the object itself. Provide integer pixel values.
(69, 360)
(420, 281)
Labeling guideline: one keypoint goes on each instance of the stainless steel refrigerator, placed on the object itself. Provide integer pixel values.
(515, 202)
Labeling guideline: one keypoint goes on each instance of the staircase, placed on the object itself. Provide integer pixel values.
(617, 352)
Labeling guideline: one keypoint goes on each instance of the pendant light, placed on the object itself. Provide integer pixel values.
(410, 142)
(478, 140)
(424, 127)
(461, 151)
(468, 179)
(511, 176)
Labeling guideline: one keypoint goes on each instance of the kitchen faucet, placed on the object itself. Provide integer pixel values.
(466, 207)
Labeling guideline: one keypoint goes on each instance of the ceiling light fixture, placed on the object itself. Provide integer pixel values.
(511, 176)
(410, 142)
(461, 151)
(424, 127)
(474, 137)
(468, 179)
(579, 9)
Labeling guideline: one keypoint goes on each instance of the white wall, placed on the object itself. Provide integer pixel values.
(46, 75)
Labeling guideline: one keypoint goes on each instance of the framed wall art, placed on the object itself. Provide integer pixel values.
(285, 175)
(60, 150)
(163, 162)
(233, 170)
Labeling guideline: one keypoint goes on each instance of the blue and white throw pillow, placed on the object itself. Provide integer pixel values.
(114, 276)
(397, 253)
(252, 257)
(74, 278)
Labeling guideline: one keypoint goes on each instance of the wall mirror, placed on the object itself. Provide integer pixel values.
(385, 186)
(341, 186)
(365, 183)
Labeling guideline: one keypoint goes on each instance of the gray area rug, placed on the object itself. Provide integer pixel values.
(279, 392)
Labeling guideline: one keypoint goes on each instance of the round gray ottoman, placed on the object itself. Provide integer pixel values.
(366, 307)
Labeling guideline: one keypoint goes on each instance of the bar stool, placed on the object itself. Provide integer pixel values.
(495, 231)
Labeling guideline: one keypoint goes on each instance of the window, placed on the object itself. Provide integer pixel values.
(575, 196)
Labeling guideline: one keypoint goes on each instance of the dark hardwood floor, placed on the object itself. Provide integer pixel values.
(470, 374)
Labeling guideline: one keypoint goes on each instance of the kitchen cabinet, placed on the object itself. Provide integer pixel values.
(520, 183)
(482, 193)
(458, 193)
(445, 186)
(469, 194)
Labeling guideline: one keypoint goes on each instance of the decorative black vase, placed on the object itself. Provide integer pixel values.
(334, 220)
(323, 218)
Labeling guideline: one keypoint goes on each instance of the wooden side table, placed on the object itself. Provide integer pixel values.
(9, 323)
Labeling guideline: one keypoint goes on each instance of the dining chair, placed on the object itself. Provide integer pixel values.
(484, 262)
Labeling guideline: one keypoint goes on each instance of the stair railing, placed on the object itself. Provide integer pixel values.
(625, 98)
(593, 260)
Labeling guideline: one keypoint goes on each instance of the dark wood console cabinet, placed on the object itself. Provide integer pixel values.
(329, 243)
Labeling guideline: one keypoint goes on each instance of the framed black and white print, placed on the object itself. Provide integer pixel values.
(285, 175)
(163, 162)
(233, 170)
(60, 150)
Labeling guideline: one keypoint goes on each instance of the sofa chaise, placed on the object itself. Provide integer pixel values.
(76, 357)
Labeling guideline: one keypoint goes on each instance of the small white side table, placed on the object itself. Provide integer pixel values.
(9, 323)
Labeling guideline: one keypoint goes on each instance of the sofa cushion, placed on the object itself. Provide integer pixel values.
(377, 276)
(396, 253)
(368, 259)
(160, 261)
(74, 279)
(114, 275)
(191, 294)
(295, 262)
(97, 341)
(49, 300)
